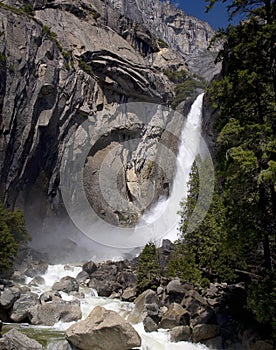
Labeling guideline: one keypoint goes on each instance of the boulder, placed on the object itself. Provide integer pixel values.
(36, 269)
(154, 312)
(194, 302)
(103, 330)
(82, 276)
(139, 312)
(205, 331)
(61, 345)
(149, 324)
(129, 294)
(15, 340)
(251, 341)
(103, 288)
(9, 296)
(176, 290)
(50, 296)
(89, 267)
(180, 333)
(198, 308)
(66, 284)
(22, 306)
(49, 313)
(176, 287)
(18, 277)
(126, 278)
(176, 315)
(217, 343)
(37, 281)
(204, 316)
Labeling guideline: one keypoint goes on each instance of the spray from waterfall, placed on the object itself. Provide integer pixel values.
(163, 217)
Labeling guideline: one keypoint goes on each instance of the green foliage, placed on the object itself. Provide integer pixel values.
(8, 246)
(245, 98)
(85, 67)
(187, 89)
(183, 265)
(12, 233)
(3, 60)
(176, 76)
(95, 14)
(11, 8)
(262, 301)
(162, 43)
(28, 9)
(2, 57)
(148, 268)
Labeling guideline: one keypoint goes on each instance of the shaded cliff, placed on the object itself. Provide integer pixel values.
(66, 62)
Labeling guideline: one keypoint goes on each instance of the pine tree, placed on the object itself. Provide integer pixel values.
(148, 273)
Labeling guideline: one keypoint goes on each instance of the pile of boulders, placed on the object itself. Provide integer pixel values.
(19, 304)
(205, 315)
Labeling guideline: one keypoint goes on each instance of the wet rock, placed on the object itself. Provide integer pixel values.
(82, 276)
(180, 333)
(66, 284)
(176, 315)
(149, 324)
(89, 267)
(36, 270)
(103, 287)
(68, 268)
(139, 312)
(103, 329)
(54, 311)
(37, 281)
(9, 296)
(18, 277)
(205, 331)
(15, 340)
(21, 308)
(50, 296)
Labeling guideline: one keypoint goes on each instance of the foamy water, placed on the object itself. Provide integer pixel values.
(150, 341)
(163, 217)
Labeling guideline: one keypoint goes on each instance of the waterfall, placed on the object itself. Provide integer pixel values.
(163, 217)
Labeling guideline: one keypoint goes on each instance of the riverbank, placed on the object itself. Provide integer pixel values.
(170, 315)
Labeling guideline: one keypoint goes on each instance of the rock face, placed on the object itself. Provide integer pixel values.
(71, 62)
(103, 330)
(185, 34)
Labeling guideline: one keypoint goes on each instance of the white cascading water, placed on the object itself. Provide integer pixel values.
(150, 341)
(164, 216)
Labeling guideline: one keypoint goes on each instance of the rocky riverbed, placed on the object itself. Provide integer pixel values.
(99, 304)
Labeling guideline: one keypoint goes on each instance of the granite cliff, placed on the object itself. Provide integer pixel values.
(63, 62)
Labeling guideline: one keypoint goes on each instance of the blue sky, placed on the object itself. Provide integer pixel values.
(217, 17)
